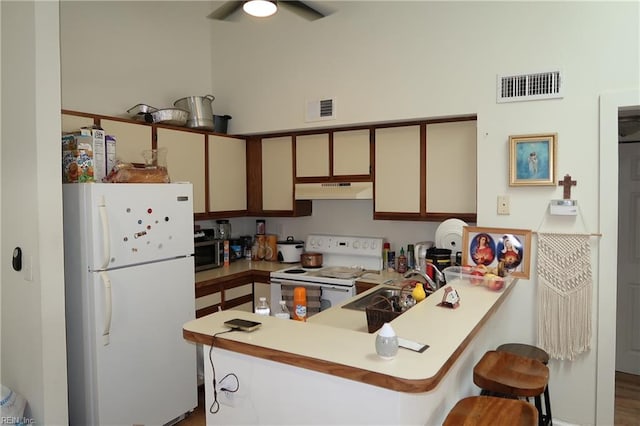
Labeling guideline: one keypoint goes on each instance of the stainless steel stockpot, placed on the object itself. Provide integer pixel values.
(200, 111)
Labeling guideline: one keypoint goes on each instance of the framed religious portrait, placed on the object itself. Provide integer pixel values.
(490, 246)
(532, 160)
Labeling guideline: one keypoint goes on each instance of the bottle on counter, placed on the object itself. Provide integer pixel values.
(262, 308)
(283, 311)
(385, 255)
(411, 257)
(300, 304)
(391, 263)
(402, 262)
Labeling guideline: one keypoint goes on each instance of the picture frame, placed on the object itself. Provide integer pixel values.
(513, 246)
(532, 160)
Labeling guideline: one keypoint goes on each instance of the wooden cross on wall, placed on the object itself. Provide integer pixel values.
(567, 183)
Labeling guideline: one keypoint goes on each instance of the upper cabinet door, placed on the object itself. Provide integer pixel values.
(227, 174)
(277, 173)
(131, 139)
(397, 176)
(312, 155)
(351, 153)
(451, 167)
(185, 161)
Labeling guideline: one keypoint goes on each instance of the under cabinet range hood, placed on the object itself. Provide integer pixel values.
(334, 191)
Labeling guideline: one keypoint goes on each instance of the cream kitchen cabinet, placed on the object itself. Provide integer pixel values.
(277, 174)
(185, 156)
(451, 167)
(227, 164)
(397, 170)
(351, 153)
(131, 139)
(312, 155)
(331, 155)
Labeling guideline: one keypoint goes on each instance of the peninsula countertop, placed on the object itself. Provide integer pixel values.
(336, 341)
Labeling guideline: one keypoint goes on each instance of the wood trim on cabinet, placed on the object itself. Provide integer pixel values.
(423, 167)
(254, 175)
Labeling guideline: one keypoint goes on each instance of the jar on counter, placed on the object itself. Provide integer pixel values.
(261, 227)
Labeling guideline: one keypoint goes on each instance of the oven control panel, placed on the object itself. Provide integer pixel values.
(346, 245)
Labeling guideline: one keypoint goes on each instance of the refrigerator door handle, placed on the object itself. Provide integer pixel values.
(106, 248)
(107, 307)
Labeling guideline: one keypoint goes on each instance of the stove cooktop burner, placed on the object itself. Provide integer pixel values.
(294, 271)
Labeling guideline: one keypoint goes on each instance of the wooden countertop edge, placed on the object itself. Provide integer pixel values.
(344, 371)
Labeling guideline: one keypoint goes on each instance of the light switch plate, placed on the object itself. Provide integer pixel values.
(503, 204)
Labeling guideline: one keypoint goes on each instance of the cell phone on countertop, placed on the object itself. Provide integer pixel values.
(242, 324)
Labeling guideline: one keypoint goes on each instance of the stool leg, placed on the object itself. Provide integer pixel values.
(539, 407)
(547, 406)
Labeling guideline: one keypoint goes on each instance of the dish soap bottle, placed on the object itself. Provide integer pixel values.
(262, 308)
(402, 262)
(283, 311)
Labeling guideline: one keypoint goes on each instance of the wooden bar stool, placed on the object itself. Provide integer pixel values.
(513, 376)
(541, 355)
(491, 411)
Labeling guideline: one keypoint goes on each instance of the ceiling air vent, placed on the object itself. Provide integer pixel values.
(529, 87)
(321, 109)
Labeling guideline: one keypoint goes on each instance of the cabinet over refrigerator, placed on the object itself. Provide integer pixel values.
(129, 288)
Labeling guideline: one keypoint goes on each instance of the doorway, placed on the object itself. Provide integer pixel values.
(627, 361)
(610, 105)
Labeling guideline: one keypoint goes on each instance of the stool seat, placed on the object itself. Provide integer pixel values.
(491, 411)
(511, 374)
(541, 355)
(525, 350)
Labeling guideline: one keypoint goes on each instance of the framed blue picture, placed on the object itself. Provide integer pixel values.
(532, 160)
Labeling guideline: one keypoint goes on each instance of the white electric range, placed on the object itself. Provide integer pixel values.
(344, 259)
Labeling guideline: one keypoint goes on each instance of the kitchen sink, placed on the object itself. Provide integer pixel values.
(362, 302)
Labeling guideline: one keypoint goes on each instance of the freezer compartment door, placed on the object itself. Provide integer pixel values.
(127, 224)
(145, 371)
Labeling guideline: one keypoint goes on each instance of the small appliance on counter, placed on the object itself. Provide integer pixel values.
(289, 250)
(208, 249)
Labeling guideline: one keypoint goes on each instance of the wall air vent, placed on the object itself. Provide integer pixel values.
(530, 87)
(320, 109)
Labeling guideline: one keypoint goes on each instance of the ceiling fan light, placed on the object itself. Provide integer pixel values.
(260, 8)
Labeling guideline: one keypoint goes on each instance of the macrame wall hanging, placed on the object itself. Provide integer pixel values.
(565, 287)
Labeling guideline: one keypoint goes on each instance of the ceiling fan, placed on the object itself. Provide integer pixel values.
(297, 7)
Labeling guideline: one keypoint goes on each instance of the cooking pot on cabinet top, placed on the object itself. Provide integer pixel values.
(311, 260)
(200, 111)
(289, 251)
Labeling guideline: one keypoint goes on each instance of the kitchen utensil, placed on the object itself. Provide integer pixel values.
(200, 111)
(311, 260)
(289, 251)
(170, 116)
(141, 109)
(449, 234)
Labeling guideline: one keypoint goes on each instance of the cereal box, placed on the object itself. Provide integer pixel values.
(110, 152)
(98, 146)
(77, 159)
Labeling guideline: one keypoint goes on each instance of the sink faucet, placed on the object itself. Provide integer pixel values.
(433, 285)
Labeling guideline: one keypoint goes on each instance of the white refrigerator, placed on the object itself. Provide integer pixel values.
(129, 288)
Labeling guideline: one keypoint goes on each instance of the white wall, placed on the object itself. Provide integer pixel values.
(33, 328)
(118, 54)
(400, 60)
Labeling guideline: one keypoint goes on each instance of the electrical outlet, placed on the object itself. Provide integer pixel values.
(503, 204)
